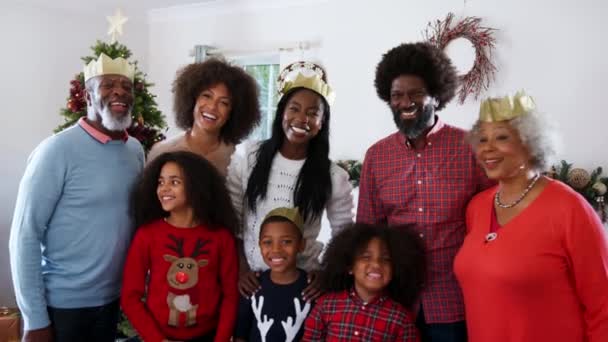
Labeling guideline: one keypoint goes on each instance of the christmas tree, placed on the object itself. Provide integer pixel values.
(148, 121)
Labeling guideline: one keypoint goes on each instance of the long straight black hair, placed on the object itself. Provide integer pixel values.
(313, 187)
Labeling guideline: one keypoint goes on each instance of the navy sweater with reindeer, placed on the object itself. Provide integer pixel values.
(193, 282)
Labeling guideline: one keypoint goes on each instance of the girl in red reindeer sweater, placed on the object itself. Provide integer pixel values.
(185, 242)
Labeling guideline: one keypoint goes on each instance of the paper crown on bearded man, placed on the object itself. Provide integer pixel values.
(105, 65)
(506, 108)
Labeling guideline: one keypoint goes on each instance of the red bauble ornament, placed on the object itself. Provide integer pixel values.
(72, 106)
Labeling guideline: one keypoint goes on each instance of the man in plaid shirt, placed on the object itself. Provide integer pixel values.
(423, 175)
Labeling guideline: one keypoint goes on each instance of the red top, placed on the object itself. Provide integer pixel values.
(544, 277)
(193, 282)
(428, 188)
(343, 316)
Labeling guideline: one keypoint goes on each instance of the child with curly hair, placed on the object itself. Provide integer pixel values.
(372, 274)
(185, 243)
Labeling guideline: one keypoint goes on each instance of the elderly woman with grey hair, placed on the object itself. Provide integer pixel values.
(534, 263)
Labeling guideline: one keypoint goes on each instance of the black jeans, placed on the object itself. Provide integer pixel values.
(441, 332)
(95, 324)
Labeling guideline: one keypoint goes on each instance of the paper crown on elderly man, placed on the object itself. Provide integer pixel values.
(506, 108)
(105, 65)
(307, 75)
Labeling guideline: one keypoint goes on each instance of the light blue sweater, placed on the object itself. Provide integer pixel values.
(71, 228)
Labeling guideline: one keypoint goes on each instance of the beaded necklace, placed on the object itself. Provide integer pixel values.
(521, 197)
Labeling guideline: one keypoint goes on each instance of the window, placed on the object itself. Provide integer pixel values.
(265, 70)
(264, 67)
(266, 76)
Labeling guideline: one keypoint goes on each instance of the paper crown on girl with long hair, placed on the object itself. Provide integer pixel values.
(305, 75)
(506, 108)
(104, 65)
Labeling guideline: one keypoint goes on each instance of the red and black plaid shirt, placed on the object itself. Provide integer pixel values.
(343, 316)
(428, 188)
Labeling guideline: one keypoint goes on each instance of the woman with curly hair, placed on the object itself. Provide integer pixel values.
(183, 257)
(423, 175)
(216, 104)
(373, 275)
(291, 169)
(534, 263)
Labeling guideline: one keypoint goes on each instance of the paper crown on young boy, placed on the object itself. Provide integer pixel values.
(506, 108)
(291, 214)
(104, 65)
(305, 75)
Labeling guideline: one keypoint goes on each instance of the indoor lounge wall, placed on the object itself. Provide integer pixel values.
(551, 49)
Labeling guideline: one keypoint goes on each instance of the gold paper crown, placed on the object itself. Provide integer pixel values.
(315, 82)
(506, 108)
(105, 65)
(292, 214)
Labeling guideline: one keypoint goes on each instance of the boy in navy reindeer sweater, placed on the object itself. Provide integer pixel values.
(276, 312)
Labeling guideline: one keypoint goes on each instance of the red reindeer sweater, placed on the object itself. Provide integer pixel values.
(193, 282)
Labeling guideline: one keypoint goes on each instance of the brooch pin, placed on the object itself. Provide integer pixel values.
(491, 237)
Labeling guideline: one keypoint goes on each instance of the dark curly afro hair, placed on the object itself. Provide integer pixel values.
(420, 59)
(408, 260)
(194, 78)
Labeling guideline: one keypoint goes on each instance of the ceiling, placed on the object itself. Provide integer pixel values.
(130, 7)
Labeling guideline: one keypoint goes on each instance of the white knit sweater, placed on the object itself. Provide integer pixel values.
(281, 185)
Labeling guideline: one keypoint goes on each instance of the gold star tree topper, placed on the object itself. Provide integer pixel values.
(116, 21)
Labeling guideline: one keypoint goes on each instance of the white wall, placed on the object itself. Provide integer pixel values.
(41, 50)
(553, 50)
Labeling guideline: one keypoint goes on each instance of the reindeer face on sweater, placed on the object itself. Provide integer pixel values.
(183, 273)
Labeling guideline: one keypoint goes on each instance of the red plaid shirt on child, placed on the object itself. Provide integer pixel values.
(428, 188)
(343, 316)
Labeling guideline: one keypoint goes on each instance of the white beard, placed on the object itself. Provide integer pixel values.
(113, 124)
(107, 119)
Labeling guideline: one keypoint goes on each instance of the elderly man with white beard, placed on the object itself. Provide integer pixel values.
(71, 227)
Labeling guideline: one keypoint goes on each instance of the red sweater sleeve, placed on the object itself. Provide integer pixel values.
(587, 248)
(230, 297)
(133, 289)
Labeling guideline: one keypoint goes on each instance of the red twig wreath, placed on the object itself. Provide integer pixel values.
(442, 32)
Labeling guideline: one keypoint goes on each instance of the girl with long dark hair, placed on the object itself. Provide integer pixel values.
(291, 169)
(183, 257)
